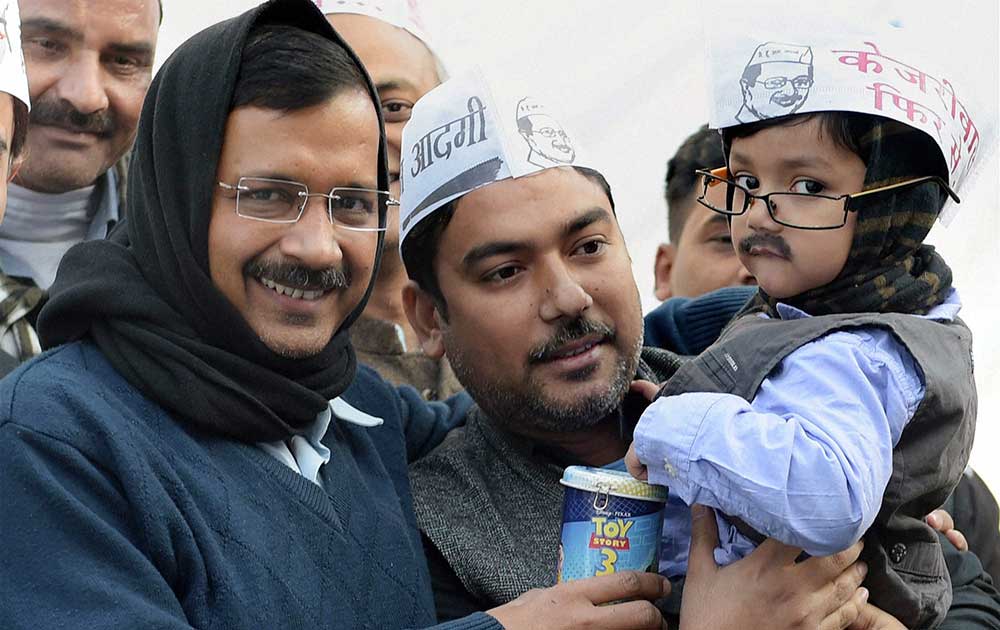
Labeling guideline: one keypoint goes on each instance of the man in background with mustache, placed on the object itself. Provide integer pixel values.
(89, 63)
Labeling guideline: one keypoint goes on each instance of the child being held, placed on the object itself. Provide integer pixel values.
(840, 404)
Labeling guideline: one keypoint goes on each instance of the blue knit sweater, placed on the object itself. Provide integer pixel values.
(113, 515)
(689, 325)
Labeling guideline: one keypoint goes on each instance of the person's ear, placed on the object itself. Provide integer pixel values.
(422, 311)
(662, 268)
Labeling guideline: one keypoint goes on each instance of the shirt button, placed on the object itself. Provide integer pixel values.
(897, 553)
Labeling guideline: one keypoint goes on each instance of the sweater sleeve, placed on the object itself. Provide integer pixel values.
(426, 423)
(689, 325)
(975, 602)
(72, 557)
(806, 462)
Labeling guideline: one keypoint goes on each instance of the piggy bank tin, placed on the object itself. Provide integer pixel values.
(611, 523)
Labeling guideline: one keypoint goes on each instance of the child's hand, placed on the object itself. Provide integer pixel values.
(635, 468)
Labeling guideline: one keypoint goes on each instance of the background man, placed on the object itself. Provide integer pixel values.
(389, 37)
(698, 256)
(89, 63)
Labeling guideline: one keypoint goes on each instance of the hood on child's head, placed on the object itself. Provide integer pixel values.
(888, 269)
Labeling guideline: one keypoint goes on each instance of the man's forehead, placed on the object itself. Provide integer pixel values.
(388, 52)
(120, 21)
(528, 210)
(317, 139)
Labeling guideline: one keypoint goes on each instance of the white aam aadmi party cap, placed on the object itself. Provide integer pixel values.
(787, 67)
(13, 78)
(471, 131)
(403, 14)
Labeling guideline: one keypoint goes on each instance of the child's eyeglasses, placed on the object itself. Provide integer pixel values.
(798, 210)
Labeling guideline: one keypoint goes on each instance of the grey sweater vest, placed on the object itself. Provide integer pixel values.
(907, 573)
(491, 502)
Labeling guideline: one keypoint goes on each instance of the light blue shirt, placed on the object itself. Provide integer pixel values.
(305, 453)
(805, 462)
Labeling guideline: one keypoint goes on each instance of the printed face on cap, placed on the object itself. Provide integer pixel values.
(403, 70)
(775, 89)
(796, 158)
(295, 283)
(89, 64)
(546, 138)
(543, 319)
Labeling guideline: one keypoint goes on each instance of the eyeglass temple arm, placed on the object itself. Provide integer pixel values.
(912, 182)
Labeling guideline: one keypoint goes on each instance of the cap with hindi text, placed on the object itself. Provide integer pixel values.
(789, 65)
(472, 131)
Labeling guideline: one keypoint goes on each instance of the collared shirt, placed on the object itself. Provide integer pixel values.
(19, 296)
(306, 453)
(809, 457)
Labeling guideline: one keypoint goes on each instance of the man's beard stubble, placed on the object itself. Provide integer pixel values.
(523, 407)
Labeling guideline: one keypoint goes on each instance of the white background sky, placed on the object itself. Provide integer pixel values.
(630, 78)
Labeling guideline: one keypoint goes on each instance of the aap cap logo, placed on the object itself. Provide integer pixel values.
(548, 143)
(775, 81)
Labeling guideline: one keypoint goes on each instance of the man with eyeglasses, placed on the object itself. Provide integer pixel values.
(776, 81)
(842, 403)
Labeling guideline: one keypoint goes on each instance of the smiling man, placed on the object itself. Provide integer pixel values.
(89, 64)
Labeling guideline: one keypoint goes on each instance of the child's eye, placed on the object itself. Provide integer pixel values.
(748, 181)
(808, 187)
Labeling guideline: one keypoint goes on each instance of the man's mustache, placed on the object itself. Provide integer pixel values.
(568, 332)
(298, 276)
(771, 241)
(60, 113)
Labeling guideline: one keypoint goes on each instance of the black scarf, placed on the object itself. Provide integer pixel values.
(889, 269)
(145, 296)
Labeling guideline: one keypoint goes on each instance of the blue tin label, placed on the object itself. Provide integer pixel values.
(604, 534)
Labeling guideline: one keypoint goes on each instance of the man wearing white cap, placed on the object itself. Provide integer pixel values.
(17, 300)
(521, 276)
(390, 39)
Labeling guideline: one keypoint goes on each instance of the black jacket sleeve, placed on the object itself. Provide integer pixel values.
(975, 602)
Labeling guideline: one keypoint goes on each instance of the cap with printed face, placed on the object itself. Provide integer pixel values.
(472, 131)
(13, 78)
(794, 65)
